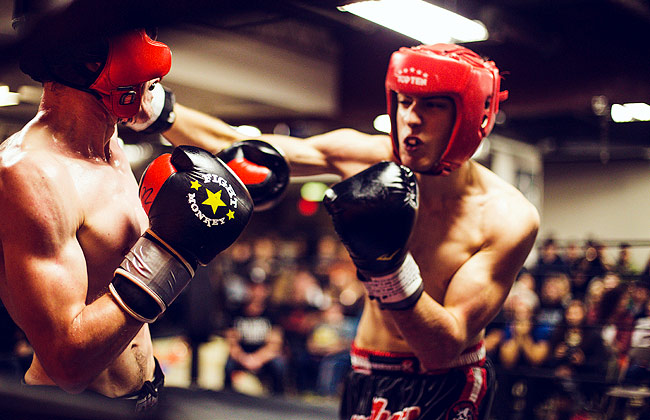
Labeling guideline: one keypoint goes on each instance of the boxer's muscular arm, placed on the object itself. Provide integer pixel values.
(46, 279)
(342, 152)
(475, 293)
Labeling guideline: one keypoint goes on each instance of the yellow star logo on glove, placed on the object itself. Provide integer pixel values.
(195, 185)
(214, 200)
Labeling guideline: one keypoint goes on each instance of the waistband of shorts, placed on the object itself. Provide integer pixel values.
(372, 361)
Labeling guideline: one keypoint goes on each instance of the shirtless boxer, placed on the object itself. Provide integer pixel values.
(418, 352)
(88, 257)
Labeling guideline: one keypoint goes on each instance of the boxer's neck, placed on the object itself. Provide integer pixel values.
(76, 119)
(452, 185)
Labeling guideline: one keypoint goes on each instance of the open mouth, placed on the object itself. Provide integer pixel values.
(411, 143)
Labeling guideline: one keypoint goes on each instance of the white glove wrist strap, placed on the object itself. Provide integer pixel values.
(397, 286)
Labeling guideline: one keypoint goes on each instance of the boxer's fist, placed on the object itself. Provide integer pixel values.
(374, 213)
(197, 207)
(195, 203)
(261, 167)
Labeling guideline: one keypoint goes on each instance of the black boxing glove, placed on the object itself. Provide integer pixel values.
(161, 116)
(261, 167)
(374, 213)
(197, 207)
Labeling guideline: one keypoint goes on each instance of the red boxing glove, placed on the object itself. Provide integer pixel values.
(262, 168)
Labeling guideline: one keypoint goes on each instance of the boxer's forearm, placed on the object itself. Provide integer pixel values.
(195, 128)
(98, 334)
(429, 322)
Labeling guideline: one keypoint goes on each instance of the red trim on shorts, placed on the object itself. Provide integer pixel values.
(368, 361)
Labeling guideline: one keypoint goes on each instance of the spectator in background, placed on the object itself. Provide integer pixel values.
(523, 350)
(592, 300)
(579, 360)
(554, 295)
(255, 341)
(639, 295)
(299, 299)
(329, 347)
(233, 273)
(344, 287)
(523, 289)
(638, 371)
(264, 265)
(573, 255)
(594, 264)
(623, 265)
(645, 273)
(618, 319)
(327, 254)
(525, 343)
(549, 261)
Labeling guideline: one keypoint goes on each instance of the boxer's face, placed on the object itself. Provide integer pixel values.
(146, 96)
(424, 126)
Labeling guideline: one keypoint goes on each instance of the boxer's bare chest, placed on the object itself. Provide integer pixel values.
(113, 218)
(444, 238)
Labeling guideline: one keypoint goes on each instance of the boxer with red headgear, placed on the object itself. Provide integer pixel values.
(455, 72)
(84, 267)
(436, 237)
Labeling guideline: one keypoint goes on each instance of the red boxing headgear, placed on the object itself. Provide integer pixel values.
(133, 59)
(456, 72)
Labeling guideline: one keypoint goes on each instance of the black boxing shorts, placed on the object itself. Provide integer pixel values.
(392, 386)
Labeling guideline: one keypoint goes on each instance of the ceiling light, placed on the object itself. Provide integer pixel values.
(630, 112)
(8, 98)
(419, 20)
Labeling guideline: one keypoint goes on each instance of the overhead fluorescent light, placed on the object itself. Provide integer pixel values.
(8, 98)
(419, 20)
(630, 112)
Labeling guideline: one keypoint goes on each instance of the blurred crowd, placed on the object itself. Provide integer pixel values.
(573, 326)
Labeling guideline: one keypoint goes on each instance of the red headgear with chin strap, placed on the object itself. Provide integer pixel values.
(452, 71)
(133, 59)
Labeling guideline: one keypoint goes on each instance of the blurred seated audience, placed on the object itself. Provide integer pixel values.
(299, 299)
(554, 296)
(344, 287)
(579, 360)
(638, 369)
(594, 263)
(525, 342)
(329, 347)
(326, 254)
(255, 341)
(573, 255)
(523, 350)
(618, 319)
(623, 265)
(549, 261)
